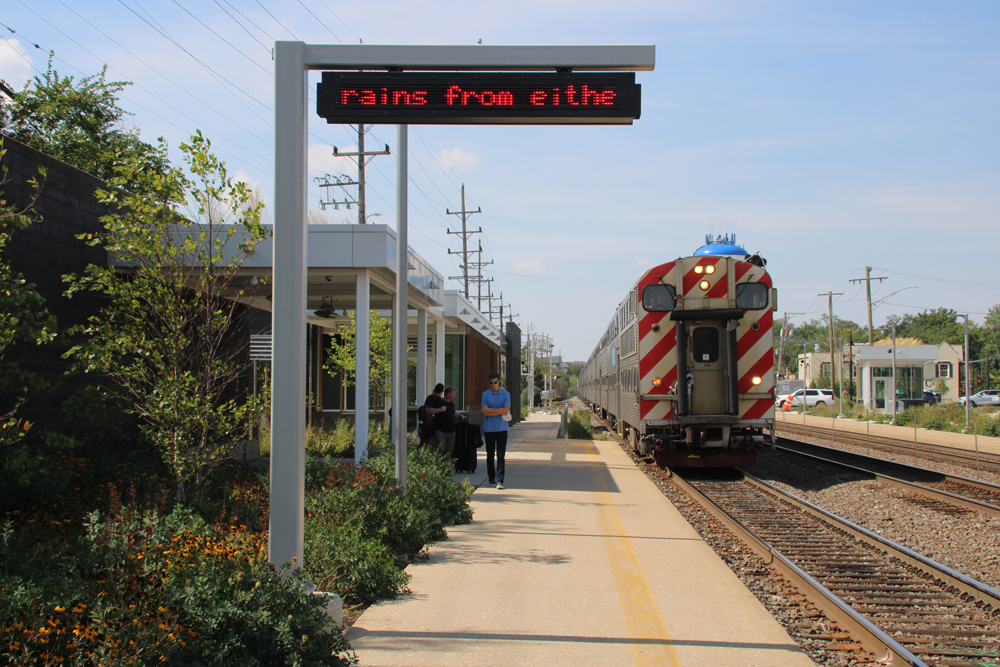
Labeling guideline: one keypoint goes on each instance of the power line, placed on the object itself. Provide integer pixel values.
(252, 36)
(278, 21)
(320, 21)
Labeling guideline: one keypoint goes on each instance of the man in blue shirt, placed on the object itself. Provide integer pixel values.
(496, 410)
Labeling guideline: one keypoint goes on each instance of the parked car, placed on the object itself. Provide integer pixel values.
(985, 397)
(931, 397)
(814, 397)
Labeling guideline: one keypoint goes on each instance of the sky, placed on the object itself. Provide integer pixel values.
(828, 136)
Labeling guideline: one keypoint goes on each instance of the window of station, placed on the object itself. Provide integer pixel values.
(824, 368)
(882, 372)
(705, 344)
(943, 369)
(454, 363)
(338, 394)
(909, 382)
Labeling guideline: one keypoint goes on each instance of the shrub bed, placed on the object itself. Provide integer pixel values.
(98, 565)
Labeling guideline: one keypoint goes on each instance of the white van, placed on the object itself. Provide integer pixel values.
(814, 397)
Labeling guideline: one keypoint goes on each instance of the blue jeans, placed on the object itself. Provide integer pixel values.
(496, 441)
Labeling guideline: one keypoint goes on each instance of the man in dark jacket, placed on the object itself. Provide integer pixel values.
(445, 420)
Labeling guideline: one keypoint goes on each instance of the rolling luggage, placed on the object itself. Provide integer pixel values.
(466, 442)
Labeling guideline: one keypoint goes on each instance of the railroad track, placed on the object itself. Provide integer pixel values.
(943, 490)
(897, 446)
(893, 601)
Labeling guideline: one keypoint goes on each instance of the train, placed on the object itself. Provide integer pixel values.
(685, 369)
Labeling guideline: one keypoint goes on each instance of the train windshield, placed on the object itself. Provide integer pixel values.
(659, 298)
(751, 296)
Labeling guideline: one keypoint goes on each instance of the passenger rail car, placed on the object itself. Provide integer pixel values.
(685, 369)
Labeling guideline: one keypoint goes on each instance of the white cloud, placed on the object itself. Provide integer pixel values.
(16, 70)
(458, 159)
(534, 265)
(642, 261)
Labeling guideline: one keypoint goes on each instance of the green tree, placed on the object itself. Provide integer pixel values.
(343, 353)
(931, 326)
(815, 332)
(80, 122)
(24, 320)
(166, 338)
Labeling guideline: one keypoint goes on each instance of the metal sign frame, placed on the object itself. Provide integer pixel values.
(292, 63)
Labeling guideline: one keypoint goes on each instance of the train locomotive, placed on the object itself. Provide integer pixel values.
(685, 369)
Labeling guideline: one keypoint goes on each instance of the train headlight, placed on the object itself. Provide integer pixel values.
(710, 269)
(756, 380)
(704, 285)
(657, 382)
(704, 268)
(699, 269)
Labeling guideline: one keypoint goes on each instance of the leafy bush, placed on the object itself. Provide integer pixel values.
(907, 417)
(578, 425)
(144, 588)
(937, 424)
(988, 425)
(360, 528)
(337, 442)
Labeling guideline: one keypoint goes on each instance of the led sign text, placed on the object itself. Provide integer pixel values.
(492, 98)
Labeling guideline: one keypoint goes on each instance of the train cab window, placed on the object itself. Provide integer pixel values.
(659, 298)
(705, 345)
(751, 296)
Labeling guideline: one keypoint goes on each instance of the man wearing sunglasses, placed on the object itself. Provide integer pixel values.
(496, 410)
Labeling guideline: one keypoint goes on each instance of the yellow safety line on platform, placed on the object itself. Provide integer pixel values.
(642, 615)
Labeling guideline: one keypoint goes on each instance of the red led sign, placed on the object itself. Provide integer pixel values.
(490, 98)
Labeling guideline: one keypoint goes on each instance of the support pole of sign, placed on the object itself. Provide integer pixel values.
(439, 355)
(288, 318)
(362, 369)
(421, 386)
(399, 310)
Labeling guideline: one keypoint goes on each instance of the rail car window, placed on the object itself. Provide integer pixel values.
(659, 298)
(705, 344)
(751, 296)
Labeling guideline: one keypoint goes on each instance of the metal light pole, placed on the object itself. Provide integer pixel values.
(840, 374)
(893, 373)
(965, 354)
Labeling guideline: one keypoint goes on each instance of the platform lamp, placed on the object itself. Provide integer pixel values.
(804, 403)
(840, 372)
(965, 354)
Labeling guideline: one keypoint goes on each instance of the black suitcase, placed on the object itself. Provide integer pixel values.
(466, 441)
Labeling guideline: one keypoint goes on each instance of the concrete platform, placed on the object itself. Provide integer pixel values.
(580, 561)
(968, 441)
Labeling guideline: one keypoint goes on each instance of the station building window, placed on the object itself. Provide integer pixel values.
(454, 363)
(943, 369)
(338, 395)
(824, 368)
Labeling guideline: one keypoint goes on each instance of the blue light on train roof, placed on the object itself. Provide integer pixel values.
(722, 244)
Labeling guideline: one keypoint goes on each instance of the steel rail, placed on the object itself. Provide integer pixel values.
(867, 633)
(956, 454)
(967, 585)
(913, 487)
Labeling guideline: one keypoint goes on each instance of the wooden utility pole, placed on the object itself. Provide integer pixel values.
(465, 234)
(364, 157)
(781, 344)
(868, 280)
(833, 361)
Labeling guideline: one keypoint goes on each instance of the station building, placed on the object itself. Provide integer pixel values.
(918, 368)
(460, 344)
